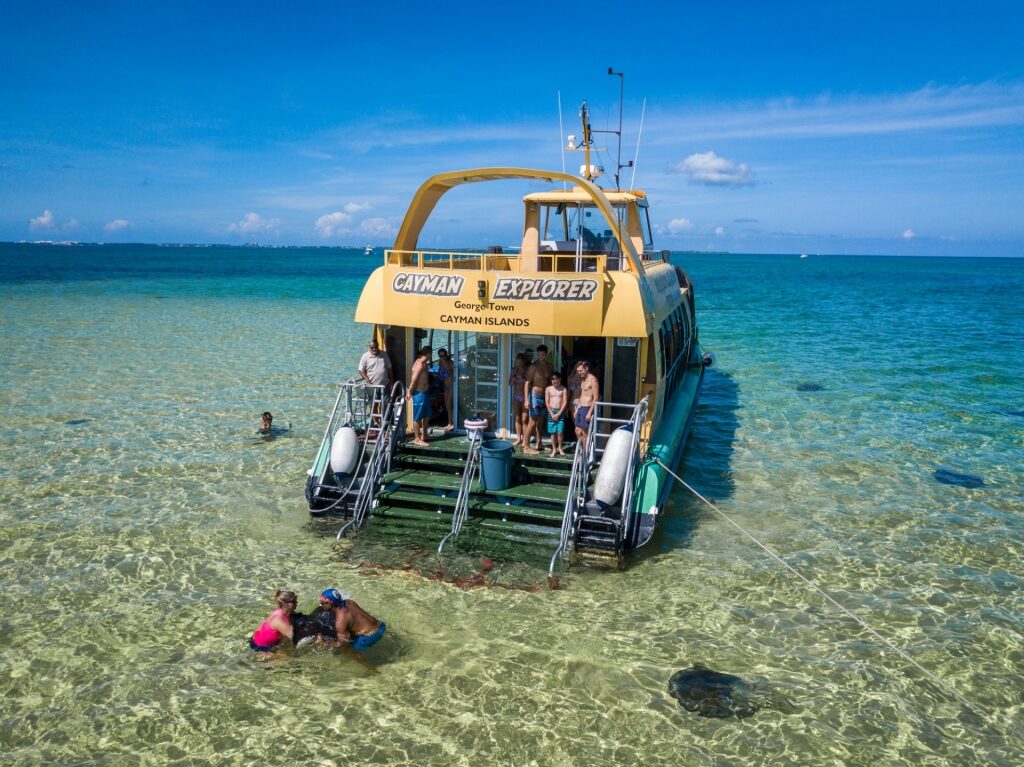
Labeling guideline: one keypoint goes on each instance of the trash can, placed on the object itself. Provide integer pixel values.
(496, 464)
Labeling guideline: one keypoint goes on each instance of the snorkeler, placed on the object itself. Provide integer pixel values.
(277, 626)
(268, 422)
(355, 627)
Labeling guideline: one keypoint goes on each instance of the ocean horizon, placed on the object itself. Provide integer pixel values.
(864, 419)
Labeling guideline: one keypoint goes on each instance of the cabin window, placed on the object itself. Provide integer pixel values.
(579, 229)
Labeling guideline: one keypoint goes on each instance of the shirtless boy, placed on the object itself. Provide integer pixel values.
(589, 393)
(556, 400)
(537, 377)
(419, 382)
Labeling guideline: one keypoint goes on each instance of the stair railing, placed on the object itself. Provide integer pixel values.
(583, 461)
(362, 411)
(390, 421)
(636, 422)
(461, 510)
(574, 500)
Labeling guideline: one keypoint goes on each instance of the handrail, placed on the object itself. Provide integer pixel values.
(573, 499)
(583, 461)
(461, 510)
(369, 412)
(391, 419)
(629, 488)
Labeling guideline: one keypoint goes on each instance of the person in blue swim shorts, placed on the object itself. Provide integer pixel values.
(356, 627)
(419, 382)
(538, 376)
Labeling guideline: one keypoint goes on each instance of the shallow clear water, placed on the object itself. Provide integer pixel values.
(144, 526)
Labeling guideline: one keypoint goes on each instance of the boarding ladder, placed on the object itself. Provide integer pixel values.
(461, 510)
(361, 406)
(584, 522)
(391, 422)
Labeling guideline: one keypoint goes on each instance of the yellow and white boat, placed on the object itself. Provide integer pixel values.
(587, 283)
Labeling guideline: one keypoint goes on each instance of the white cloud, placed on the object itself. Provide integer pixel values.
(357, 207)
(710, 169)
(331, 224)
(908, 234)
(377, 227)
(679, 225)
(719, 231)
(42, 222)
(117, 225)
(254, 222)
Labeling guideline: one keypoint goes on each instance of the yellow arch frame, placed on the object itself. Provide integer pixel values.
(434, 188)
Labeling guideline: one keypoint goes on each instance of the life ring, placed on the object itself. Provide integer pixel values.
(344, 451)
(611, 476)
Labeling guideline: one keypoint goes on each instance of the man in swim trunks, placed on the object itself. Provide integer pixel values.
(355, 627)
(419, 382)
(538, 375)
(589, 393)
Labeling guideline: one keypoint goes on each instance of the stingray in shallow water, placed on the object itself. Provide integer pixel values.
(711, 693)
(306, 628)
(809, 387)
(962, 479)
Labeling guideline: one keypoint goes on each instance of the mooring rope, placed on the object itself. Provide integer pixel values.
(860, 621)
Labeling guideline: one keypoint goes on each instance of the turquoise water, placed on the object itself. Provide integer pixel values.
(144, 526)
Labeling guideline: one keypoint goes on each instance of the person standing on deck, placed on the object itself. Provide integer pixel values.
(537, 377)
(446, 373)
(375, 367)
(590, 390)
(517, 382)
(419, 382)
(556, 400)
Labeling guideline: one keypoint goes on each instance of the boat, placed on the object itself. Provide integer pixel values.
(586, 282)
(368, 250)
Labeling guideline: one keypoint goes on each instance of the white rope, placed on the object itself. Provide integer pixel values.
(937, 680)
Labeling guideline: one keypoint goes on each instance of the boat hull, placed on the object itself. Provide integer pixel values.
(668, 439)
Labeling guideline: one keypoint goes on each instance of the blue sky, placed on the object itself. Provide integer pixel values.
(893, 128)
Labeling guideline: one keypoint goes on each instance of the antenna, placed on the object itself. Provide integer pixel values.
(622, 89)
(561, 133)
(638, 135)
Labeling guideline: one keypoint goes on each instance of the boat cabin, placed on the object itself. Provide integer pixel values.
(585, 282)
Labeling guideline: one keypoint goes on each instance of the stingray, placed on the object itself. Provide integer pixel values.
(807, 386)
(711, 693)
(78, 421)
(962, 479)
(306, 628)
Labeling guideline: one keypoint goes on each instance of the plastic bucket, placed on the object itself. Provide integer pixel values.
(496, 464)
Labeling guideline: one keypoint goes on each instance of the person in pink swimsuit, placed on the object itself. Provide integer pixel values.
(277, 626)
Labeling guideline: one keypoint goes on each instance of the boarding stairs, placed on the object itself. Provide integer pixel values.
(377, 414)
(587, 528)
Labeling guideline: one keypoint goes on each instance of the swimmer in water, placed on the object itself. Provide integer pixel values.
(355, 627)
(267, 424)
(277, 626)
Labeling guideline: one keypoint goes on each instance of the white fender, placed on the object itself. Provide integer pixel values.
(344, 450)
(611, 476)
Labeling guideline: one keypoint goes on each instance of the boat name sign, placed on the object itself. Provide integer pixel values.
(428, 284)
(526, 289)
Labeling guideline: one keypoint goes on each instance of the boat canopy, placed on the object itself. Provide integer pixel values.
(604, 286)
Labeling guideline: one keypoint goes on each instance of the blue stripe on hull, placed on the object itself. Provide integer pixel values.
(668, 439)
